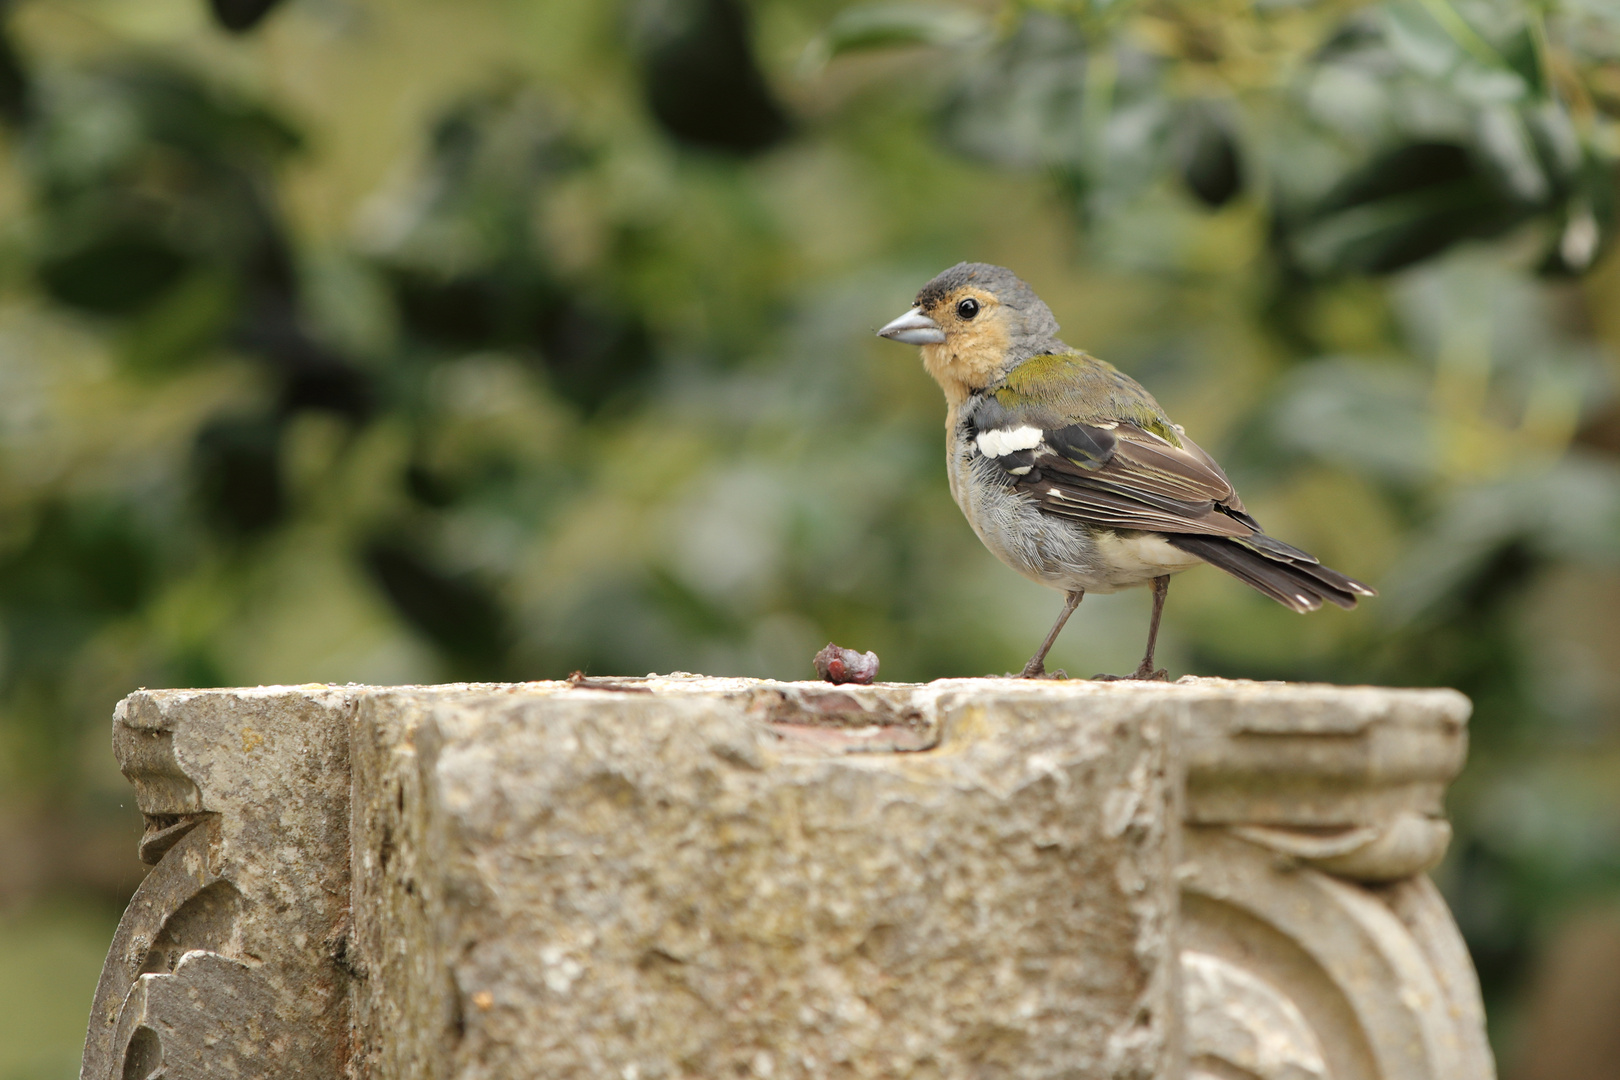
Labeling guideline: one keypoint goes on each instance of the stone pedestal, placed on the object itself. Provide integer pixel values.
(687, 877)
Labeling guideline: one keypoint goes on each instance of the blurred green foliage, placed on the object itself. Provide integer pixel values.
(52, 959)
(343, 340)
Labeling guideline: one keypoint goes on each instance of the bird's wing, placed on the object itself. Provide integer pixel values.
(1123, 475)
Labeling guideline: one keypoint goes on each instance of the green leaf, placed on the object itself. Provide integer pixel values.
(1206, 153)
(1035, 99)
(1436, 42)
(1507, 145)
(1365, 416)
(887, 26)
(1570, 511)
(1462, 32)
(702, 82)
(119, 271)
(183, 324)
(1404, 206)
(1419, 40)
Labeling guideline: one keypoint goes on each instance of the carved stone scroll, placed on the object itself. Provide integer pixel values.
(224, 965)
(1311, 815)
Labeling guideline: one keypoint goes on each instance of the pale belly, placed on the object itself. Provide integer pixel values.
(1136, 558)
(1058, 552)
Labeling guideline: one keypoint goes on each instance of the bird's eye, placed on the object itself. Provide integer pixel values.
(968, 308)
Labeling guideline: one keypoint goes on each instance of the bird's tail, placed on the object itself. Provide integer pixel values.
(1294, 580)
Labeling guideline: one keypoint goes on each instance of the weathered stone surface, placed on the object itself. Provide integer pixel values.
(681, 877)
(607, 883)
(1348, 779)
(1311, 812)
(223, 966)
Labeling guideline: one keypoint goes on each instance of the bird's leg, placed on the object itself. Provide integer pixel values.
(1161, 589)
(1144, 671)
(1036, 668)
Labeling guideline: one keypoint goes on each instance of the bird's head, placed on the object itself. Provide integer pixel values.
(974, 323)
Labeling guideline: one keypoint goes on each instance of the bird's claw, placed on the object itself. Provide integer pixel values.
(1038, 671)
(1141, 674)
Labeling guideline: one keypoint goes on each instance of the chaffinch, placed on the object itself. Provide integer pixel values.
(1071, 473)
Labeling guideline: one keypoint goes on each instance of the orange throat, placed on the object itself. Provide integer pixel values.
(960, 371)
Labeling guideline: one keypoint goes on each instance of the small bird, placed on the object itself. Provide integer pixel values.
(1072, 474)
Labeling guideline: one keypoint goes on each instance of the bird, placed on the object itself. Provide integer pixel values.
(1071, 473)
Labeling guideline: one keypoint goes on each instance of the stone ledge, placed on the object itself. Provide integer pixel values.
(723, 877)
(689, 876)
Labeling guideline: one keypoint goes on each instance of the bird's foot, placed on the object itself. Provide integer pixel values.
(1038, 671)
(1141, 674)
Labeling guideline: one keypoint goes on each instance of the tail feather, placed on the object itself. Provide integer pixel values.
(1292, 581)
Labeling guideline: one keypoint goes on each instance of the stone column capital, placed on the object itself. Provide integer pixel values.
(682, 876)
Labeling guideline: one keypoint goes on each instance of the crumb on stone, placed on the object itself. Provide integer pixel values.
(837, 664)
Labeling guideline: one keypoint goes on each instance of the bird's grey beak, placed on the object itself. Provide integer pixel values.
(913, 328)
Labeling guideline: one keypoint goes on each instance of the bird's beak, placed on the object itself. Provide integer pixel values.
(913, 328)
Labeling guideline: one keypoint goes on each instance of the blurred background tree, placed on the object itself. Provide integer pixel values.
(344, 340)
